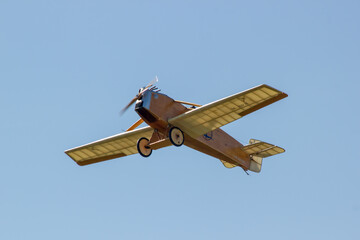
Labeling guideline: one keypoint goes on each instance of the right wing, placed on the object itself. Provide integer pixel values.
(219, 113)
(116, 146)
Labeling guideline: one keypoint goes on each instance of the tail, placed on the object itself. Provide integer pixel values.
(258, 150)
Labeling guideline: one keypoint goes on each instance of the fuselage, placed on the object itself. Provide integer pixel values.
(157, 108)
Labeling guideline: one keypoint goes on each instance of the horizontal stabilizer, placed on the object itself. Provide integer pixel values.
(259, 150)
(227, 164)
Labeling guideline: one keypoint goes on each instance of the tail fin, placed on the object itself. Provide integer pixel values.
(259, 150)
(255, 164)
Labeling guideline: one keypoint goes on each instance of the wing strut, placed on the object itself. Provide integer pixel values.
(188, 103)
(135, 125)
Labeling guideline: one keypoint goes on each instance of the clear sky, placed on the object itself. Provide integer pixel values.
(67, 68)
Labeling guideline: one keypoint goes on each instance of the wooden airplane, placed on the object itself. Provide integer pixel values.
(198, 127)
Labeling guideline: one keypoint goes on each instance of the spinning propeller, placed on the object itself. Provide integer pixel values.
(150, 87)
(140, 94)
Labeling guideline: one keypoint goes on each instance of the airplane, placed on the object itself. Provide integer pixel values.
(177, 123)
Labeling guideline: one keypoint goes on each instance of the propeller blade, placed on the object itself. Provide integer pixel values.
(152, 82)
(129, 104)
(141, 91)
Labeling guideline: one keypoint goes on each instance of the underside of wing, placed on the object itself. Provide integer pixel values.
(219, 113)
(116, 146)
(262, 149)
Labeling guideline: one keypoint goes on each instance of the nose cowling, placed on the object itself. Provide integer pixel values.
(142, 91)
(142, 107)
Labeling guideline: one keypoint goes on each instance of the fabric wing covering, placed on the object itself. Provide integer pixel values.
(262, 149)
(219, 113)
(116, 146)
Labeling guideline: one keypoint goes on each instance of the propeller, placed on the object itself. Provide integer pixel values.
(141, 92)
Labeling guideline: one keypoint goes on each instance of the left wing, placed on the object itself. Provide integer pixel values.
(116, 146)
(219, 113)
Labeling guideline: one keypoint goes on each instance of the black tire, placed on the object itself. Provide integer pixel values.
(141, 147)
(176, 136)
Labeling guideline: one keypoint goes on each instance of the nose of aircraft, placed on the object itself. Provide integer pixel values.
(140, 94)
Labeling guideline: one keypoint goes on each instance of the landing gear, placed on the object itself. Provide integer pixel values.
(142, 147)
(176, 136)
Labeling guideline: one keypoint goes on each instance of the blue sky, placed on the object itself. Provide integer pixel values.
(67, 68)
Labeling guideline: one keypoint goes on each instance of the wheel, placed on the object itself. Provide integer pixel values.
(176, 136)
(142, 147)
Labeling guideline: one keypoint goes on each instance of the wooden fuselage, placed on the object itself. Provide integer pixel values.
(156, 108)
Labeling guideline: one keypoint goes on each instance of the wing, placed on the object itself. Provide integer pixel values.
(219, 113)
(116, 146)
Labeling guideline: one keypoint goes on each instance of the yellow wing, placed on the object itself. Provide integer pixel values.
(219, 113)
(116, 146)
